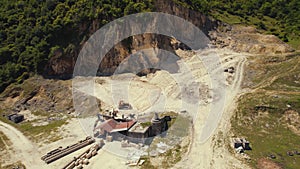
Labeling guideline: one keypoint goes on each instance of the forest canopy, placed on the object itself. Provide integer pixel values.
(32, 30)
(277, 17)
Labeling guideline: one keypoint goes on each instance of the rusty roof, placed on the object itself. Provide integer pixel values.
(112, 125)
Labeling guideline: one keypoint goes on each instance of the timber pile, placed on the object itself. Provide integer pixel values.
(83, 159)
(60, 152)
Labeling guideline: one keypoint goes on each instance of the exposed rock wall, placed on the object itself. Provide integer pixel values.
(237, 38)
(62, 66)
(205, 23)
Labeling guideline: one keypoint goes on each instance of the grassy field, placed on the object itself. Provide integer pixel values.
(35, 133)
(179, 129)
(260, 114)
(44, 124)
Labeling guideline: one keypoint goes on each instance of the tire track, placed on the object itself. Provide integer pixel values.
(23, 149)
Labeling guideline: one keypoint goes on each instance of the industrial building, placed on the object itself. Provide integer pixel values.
(132, 130)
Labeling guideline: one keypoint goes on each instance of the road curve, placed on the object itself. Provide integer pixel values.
(23, 149)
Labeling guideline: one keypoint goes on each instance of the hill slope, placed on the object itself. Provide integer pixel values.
(35, 35)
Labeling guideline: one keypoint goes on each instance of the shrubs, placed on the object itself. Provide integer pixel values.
(31, 32)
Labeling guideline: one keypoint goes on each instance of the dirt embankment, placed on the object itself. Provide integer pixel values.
(248, 39)
(39, 95)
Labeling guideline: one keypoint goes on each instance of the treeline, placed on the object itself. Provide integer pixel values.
(278, 17)
(31, 30)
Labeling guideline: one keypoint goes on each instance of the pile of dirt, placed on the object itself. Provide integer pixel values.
(248, 39)
(38, 95)
(267, 164)
(292, 119)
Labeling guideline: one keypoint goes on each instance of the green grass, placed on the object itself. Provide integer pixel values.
(172, 114)
(146, 124)
(170, 158)
(268, 136)
(265, 25)
(266, 67)
(36, 133)
(173, 156)
(25, 89)
(288, 79)
(265, 128)
(228, 18)
(147, 164)
(3, 140)
(290, 83)
(294, 42)
(40, 131)
(180, 126)
(40, 113)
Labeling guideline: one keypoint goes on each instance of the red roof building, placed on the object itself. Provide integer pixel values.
(111, 126)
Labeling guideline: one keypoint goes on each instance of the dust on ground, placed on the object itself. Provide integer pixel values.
(153, 93)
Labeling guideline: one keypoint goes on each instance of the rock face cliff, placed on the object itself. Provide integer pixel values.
(237, 38)
(203, 22)
(61, 65)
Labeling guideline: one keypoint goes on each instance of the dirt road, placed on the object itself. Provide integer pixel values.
(214, 152)
(22, 148)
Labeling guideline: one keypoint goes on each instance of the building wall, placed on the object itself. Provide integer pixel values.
(159, 127)
(138, 137)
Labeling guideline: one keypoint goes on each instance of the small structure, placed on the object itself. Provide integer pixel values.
(139, 133)
(124, 106)
(246, 144)
(290, 153)
(16, 118)
(229, 70)
(132, 130)
(272, 156)
(108, 115)
(159, 125)
(239, 143)
(239, 149)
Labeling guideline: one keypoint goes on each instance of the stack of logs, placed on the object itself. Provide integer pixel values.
(60, 152)
(83, 159)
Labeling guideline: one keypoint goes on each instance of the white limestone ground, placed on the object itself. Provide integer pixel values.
(176, 92)
(191, 89)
